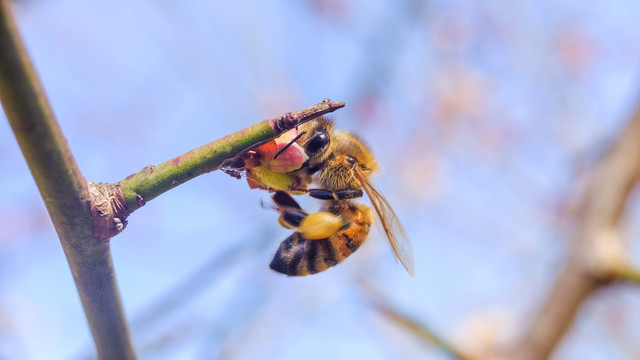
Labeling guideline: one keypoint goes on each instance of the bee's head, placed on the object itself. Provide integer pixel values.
(334, 155)
(346, 154)
(317, 138)
(355, 153)
(318, 141)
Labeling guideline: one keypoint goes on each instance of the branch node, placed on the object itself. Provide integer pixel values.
(108, 210)
(606, 255)
(140, 201)
(285, 122)
(292, 119)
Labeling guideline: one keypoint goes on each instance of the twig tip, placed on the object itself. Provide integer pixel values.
(337, 105)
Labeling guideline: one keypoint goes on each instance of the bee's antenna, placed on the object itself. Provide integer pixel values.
(289, 144)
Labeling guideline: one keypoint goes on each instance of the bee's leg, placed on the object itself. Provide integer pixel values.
(314, 226)
(324, 194)
(291, 214)
(284, 200)
(291, 218)
(319, 225)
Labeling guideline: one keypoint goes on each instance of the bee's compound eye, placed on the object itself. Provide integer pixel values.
(317, 143)
(350, 159)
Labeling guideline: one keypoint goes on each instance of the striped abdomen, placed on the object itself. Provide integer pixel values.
(298, 256)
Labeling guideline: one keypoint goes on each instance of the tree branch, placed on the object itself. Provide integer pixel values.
(152, 181)
(64, 191)
(598, 248)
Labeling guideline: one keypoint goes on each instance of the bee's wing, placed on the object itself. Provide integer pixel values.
(392, 227)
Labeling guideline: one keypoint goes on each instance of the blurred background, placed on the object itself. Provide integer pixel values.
(485, 118)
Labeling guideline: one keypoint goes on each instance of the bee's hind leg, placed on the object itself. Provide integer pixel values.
(291, 214)
(314, 226)
(319, 225)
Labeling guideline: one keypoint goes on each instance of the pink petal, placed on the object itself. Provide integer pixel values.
(289, 160)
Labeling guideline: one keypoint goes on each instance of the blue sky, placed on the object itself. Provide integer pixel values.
(484, 117)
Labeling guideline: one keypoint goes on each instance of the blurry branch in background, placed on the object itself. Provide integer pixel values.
(195, 285)
(64, 191)
(199, 281)
(598, 254)
(419, 329)
(630, 274)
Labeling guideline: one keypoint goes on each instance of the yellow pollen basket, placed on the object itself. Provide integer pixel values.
(320, 225)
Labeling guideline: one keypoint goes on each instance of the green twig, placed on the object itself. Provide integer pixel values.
(152, 181)
(64, 191)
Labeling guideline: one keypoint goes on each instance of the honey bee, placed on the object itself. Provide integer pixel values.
(339, 164)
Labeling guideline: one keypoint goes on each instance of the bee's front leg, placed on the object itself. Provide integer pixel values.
(324, 194)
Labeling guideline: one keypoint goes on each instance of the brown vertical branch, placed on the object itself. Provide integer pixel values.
(64, 191)
(597, 256)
